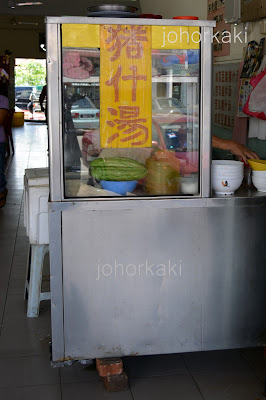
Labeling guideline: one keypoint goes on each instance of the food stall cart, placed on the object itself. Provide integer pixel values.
(143, 260)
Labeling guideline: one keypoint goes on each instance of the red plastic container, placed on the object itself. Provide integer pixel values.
(186, 17)
(151, 16)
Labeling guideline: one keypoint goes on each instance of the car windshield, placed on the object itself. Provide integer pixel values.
(169, 103)
(83, 103)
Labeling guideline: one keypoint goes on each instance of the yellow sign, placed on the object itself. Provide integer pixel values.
(125, 86)
(80, 35)
(163, 37)
(175, 37)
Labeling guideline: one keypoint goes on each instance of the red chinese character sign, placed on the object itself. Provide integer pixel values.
(221, 42)
(125, 86)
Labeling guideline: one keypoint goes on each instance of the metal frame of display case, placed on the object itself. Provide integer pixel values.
(55, 96)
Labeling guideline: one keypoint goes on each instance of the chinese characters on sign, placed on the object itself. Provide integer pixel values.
(125, 85)
(224, 95)
(216, 11)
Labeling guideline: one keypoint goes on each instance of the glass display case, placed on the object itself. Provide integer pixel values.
(134, 119)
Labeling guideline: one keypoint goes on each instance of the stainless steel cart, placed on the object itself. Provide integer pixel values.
(148, 272)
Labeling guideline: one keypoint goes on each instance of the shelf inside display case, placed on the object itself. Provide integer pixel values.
(163, 78)
(91, 79)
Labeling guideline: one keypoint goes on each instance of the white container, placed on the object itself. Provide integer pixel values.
(189, 184)
(36, 194)
(259, 183)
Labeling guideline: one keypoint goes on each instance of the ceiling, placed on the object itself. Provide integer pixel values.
(56, 7)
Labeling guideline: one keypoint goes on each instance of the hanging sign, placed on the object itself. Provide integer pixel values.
(125, 86)
(163, 37)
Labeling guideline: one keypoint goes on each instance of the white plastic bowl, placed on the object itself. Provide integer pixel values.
(227, 163)
(226, 186)
(259, 174)
(228, 173)
(259, 183)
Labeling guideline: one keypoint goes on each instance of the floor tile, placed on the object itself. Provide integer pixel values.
(23, 336)
(41, 392)
(148, 366)
(92, 390)
(208, 361)
(16, 286)
(255, 358)
(78, 373)
(27, 371)
(16, 305)
(229, 385)
(173, 387)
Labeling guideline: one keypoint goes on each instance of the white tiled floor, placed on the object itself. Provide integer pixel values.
(25, 371)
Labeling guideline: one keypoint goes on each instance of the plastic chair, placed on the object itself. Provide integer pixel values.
(34, 279)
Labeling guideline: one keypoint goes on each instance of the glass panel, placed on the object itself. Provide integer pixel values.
(169, 167)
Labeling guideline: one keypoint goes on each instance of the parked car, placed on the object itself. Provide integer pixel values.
(22, 97)
(167, 105)
(85, 114)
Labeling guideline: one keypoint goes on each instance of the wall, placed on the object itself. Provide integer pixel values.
(237, 51)
(171, 8)
(237, 48)
(20, 35)
(167, 8)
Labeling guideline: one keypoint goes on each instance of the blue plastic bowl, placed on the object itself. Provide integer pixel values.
(120, 187)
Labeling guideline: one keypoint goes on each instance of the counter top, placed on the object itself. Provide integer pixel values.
(243, 197)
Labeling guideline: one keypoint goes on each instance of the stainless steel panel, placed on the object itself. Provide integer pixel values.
(56, 286)
(206, 86)
(216, 300)
(54, 110)
(129, 21)
(242, 198)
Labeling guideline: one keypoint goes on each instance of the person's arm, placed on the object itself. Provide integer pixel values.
(236, 148)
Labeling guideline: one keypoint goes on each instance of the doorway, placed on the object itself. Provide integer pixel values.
(30, 77)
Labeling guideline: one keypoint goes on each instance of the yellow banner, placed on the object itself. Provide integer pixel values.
(125, 86)
(80, 35)
(175, 37)
(163, 37)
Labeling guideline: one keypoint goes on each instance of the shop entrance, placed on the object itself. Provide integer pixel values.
(30, 77)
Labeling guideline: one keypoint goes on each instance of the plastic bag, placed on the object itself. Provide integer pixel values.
(256, 103)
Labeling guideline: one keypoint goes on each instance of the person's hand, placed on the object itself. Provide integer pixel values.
(239, 150)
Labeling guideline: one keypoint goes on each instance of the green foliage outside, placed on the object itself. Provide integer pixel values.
(30, 73)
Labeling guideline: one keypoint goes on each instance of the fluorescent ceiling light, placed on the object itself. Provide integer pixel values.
(30, 3)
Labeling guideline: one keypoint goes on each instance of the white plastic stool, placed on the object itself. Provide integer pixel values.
(36, 193)
(33, 282)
